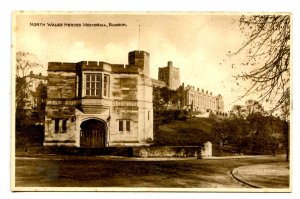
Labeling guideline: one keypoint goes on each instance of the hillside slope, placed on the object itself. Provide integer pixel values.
(193, 131)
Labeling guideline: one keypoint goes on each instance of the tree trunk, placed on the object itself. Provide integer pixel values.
(287, 140)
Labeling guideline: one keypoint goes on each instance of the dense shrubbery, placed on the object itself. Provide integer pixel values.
(257, 134)
(166, 116)
(32, 135)
(166, 106)
(29, 122)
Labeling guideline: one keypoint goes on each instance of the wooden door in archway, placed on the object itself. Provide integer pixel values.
(92, 133)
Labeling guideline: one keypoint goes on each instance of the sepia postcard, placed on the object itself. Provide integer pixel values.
(151, 101)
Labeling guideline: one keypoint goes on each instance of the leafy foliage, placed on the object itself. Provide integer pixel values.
(257, 134)
(167, 106)
(250, 107)
(38, 113)
(25, 115)
(24, 63)
(165, 98)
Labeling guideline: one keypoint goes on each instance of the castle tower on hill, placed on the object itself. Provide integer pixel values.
(170, 75)
(193, 99)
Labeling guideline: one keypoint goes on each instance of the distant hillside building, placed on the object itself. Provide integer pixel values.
(33, 81)
(202, 101)
(97, 104)
(194, 99)
(170, 75)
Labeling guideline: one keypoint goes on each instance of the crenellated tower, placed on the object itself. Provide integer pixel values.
(139, 59)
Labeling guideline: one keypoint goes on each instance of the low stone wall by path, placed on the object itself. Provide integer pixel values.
(167, 151)
(143, 151)
(174, 151)
(206, 150)
(63, 150)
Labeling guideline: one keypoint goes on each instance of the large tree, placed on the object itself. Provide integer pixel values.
(267, 47)
(40, 96)
(250, 107)
(165, 97)
(25, 62)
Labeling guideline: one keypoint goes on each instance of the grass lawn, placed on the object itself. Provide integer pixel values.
(193, 131)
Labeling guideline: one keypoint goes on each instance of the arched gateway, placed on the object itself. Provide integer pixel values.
(98, 104)
(93, 133)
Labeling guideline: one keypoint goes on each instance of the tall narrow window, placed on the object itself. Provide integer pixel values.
(93, 85)
(148, 115)
(64, 126)
(98, 84)
(106, 86)
(120, 125)
(56, 127)
(77, 85)
(127, 125)
(88, 84)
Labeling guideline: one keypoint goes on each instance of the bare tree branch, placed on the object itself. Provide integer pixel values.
(268, 47)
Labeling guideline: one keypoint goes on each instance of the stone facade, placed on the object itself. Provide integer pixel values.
(202, 101)
(97, 104)
(170, 75)
(158, 83)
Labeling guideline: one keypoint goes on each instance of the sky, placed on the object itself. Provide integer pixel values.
(198, 44)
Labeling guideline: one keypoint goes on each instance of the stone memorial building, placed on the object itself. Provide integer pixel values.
(97, 104)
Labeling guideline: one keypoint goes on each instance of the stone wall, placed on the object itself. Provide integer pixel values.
(167, 151)
(141, 60)
(124, 87)
(61, 85)
(204, 151)
(170, 75)
(174, 77)
(207, 150)
(132, 101)
(61, 93)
